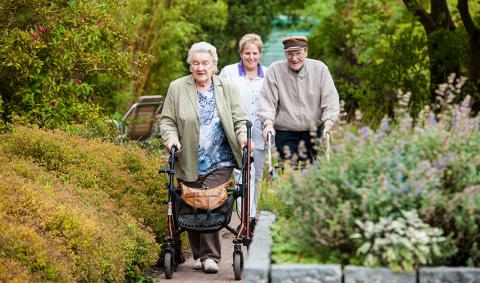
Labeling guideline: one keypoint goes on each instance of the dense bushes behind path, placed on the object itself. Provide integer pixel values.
(76, 210)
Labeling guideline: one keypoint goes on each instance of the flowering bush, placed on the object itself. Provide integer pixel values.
(61, 60)
(428, 164)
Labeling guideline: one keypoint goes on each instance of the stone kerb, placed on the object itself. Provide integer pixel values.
(258, 267)
(306, 273)
(360, 274)
(449, 275)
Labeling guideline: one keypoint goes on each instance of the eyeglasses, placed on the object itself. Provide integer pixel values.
(204, 64)
(297, 53)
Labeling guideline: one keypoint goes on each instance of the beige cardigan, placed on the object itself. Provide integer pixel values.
(179, 120)
(294, 101)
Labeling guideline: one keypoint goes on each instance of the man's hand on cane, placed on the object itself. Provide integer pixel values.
(268, 129)
(327, 128)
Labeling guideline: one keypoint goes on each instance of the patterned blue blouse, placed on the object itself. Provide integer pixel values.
(214, 149)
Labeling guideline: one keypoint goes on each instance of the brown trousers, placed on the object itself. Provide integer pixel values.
(207, 245)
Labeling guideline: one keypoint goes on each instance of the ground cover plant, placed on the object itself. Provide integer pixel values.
(404, 195)
(75, 210)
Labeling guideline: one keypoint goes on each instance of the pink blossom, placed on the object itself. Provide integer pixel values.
(35, 36)
(54, 102)
(42, 29)
(78, 81)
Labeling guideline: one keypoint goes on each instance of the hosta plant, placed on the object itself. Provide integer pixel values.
(400, 243)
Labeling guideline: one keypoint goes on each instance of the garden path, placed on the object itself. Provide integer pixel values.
(185, 272)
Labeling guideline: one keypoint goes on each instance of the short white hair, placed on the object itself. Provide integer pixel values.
(202, 47)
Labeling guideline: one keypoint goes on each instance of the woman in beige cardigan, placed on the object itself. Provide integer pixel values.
(203, 117)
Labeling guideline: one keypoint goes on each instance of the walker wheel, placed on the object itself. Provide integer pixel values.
(168, 265)
(238, 265)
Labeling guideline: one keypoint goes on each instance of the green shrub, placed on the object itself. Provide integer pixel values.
(429, 166)
(77, 210)
(61, 60)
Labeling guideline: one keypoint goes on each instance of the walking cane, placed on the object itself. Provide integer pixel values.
(271, 170)
(327, 154)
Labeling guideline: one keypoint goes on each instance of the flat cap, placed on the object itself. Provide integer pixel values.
(294, 43)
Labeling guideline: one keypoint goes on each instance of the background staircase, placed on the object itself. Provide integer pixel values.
(273, 47)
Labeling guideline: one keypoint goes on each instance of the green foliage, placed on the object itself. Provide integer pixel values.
(243, 17)
(430, 167)
(76, 210)
(165, 30)
(59, 58)
(374, 47)
(401, 244)
(71, 62)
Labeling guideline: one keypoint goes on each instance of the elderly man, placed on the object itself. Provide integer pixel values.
(297, 95)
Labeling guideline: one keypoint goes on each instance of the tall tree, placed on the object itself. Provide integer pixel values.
(165, 31)
(244, 16)
(439, 27)
(474, 40)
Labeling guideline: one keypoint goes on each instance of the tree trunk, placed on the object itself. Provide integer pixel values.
(474, 40)
(437, 24)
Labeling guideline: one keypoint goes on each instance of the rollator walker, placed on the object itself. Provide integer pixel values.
(182, 217)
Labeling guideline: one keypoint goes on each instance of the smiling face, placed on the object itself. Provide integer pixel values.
(251, 57)
(296, 58)
(202, 67)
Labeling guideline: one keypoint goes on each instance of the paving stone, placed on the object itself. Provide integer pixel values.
(449, 275)
(306, 273)
(359, 274)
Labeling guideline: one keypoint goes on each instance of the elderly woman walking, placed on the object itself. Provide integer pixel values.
(203, 117)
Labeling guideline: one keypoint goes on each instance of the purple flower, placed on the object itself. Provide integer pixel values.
(417, 192)
(441, 163)
(384, 126)
(431, 119)
(404, 188)
(454, 118)
(364, 132)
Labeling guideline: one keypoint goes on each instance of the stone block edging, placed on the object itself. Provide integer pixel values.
(306, 273)
(258, 267)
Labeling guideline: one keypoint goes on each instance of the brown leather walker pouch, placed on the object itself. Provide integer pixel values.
(206, 198)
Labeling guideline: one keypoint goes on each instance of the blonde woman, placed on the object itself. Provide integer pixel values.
(248, 75)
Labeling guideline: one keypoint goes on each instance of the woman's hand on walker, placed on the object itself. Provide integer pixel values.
(173, 142)
(244, 143)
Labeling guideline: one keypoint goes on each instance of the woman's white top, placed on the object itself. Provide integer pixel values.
(250, 93)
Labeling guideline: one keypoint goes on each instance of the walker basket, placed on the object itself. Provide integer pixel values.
(200, 220)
